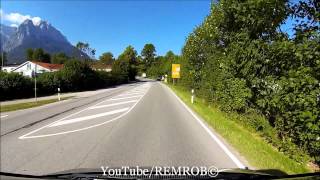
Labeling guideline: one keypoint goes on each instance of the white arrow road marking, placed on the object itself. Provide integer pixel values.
(113, 104)
(128, 97)
(69, 121)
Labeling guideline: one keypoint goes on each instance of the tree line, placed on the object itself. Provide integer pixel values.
(239, 59)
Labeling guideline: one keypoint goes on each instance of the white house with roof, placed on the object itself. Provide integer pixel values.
(28, 68)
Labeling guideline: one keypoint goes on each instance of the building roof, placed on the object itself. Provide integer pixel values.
(44, 65)
(48, 65)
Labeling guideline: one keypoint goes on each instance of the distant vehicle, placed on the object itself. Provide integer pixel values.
(159, 78)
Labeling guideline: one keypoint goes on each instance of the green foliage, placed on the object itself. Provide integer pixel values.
(29, 54)
(106, 58)
(3, 58)
(126, 64)
(120, 69)
(59, 58)
(38, 55)
(14, 85)
(74, 76)
(237, 58)
(148, 54)
(162, 65)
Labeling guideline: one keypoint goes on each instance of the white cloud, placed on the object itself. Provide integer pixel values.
(17, 18)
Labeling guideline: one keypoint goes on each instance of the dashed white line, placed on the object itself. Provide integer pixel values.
(70, 121)
(113, 104)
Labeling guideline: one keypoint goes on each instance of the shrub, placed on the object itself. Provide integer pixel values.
(14, 86)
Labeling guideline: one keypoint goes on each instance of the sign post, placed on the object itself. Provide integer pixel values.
(175, 74)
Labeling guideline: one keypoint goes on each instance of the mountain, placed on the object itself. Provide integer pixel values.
(5, 33)
(29, 35)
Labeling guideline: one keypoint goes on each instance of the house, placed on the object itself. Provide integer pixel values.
(28, 68)
(101, 67)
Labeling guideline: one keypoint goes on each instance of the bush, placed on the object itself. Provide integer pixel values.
(49, 82)
(14, 86)
(75, 76)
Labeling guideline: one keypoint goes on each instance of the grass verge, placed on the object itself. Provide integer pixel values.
(14, 107)
(251, 146)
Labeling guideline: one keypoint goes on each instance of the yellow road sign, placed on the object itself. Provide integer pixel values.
(175, 71)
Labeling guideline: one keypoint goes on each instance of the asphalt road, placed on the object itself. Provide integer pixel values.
(141, 124)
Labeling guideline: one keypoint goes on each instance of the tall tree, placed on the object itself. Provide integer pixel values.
(129, 54)
(29, 54)
(4, 60)
(148, 54)
(41, 56)
(128, 62)
(170, 55)
(59, 58)
(106, 58)
(37, 54)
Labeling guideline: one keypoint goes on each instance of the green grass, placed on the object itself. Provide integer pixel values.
(14, 107)
(250, 145)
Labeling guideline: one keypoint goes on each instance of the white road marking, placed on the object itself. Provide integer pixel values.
(214, 137)
(85, 118)
(26, 136)
(4, 116)
(113, 104)
(129, 94)
(128, 97)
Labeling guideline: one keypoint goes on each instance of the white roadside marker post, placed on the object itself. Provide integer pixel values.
(192, 95)
(35, 83)
(59, 94)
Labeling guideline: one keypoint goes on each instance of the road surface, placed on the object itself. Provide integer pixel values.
(141, 124)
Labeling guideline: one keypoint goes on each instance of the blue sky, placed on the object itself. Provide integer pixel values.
(112, 25)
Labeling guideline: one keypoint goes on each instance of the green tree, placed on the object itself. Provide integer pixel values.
(128, 61)
(46, 57)
(307, 16)
(106, 58)
(29, 54)
(239, 59)
(59, 58)
(148, 54)
(3, 59)
(38, 54)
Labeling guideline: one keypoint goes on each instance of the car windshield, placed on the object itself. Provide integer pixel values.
(177, 86)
